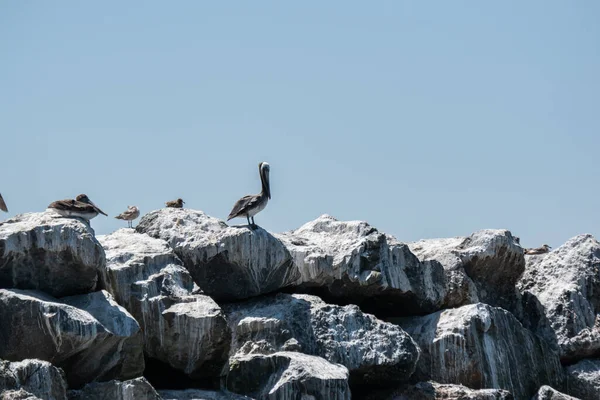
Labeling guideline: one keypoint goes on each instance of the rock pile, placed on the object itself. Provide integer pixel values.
(187, 307)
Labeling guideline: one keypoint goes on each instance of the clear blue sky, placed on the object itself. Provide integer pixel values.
(427, 119)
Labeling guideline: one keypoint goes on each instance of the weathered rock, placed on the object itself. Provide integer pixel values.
(101, 343)
(355, 262)
(482, 267)
(483, 347)
(375, 352)
(184, 330)
(197, 394)
(565, 284)
(583, 379)
(42, 251)
(132, 389)
(287, 375)
(435, 391)
(228, 263)
(548, 393)
(27, 378)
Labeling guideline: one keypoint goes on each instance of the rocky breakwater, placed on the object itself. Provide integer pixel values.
(187, 307)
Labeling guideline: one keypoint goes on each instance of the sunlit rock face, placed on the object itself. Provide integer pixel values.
(563, 289)
(435, 391)
(583, 379)
(31, 379)
(132, 389)
(287, 375)
(482, 347)
(549, 393)
(353, 262)
(89, 336)
(375, 352)
(43, 251)
(227, 263)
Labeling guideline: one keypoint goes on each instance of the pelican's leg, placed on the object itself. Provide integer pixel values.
(248, 218)
(254, 226)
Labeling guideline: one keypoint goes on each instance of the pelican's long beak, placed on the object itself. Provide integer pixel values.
(98, 209)
(267, 185)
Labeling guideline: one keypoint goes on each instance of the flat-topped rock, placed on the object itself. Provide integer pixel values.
(133, 389)
(31, 379)
(44, 251)
(227, 263)
(435, 391)
(484, 266)
(198, 394)
(91, 338)
(565, 307)
(375, 352)
(548, 393)
(482, 347)
(185, 330)
(353, 261)
(583, 379)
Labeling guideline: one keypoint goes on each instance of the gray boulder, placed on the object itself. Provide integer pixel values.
(43, 251)
(227, 263)
(352, 261)
(374, 351)
(197, 394)
(287, 375)
(133, 389)
(583, 379)
(562, 291)
(482, 347)
(31, 379)
(187, 331)
(98, 341)
(435, 391)
(548, 393)
(482, 267)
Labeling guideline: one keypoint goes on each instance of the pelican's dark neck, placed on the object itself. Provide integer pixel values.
(264, 190)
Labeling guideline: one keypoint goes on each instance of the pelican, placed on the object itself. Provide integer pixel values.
(249, 206)
(3, 204)
(540, 250)
(129, 215)
(175, 203)
(81, 207)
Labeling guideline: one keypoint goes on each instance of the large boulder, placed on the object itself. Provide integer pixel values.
(227, 263)
(583, 379)
(435, 391)
(548, 393)
(91, 338)
(353, 262)
(375, 352)
(133, 389)
(482, 347)
(44, 251)
(287, 375)
(198, 394)
(23, 379)
(185, 330)
(562, 288)
(484, 266)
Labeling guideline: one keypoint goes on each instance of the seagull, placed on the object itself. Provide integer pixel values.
(175, 203)
(129, 215)
(81, 207)
(3, 204)
(540, 250)
(249, 206)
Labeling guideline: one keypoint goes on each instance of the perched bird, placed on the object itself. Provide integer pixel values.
(3, 204)
(539, 250)
(175, 203)
(129, 215)
(81, 207)
(249, 206)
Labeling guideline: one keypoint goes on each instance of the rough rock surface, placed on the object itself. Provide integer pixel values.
(357, 263)
(20, 394)
(435, 391)
(102, 342)
(184, 330)
(566, 285)
(59, 256)
(372, 350)
(548, 393)
(482, 267)
(287, 375)
(483, 347)
(133, 389)
(228, 263)
(23, 379)
(583, 379)
(197, 394)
